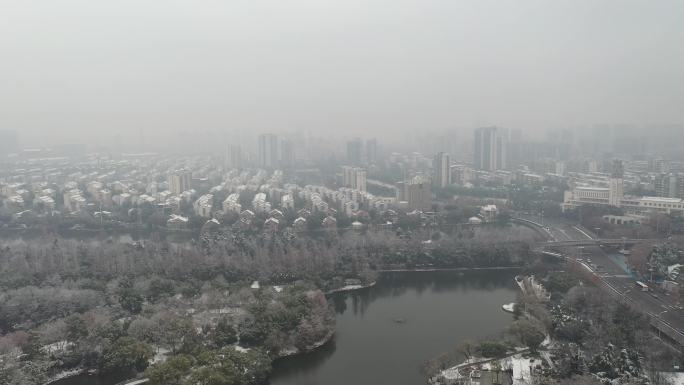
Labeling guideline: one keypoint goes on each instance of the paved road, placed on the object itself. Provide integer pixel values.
(559, 230)
(610, 266)
(607, 263)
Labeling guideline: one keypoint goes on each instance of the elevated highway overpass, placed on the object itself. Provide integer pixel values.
(591, 257)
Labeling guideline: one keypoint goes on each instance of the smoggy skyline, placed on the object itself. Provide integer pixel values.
(84, 71)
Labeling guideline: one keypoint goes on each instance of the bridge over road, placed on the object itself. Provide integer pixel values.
(600, 242)
(561, 233)
(608, 270)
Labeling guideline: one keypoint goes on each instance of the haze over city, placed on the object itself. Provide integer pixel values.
(328, 192)
(95, 72)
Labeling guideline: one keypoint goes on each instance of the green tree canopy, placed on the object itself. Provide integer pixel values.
(125, 354)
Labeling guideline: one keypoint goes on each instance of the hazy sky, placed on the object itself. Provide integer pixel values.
(92, 69)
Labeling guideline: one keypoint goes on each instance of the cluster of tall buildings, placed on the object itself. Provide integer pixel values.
(490, 154)
(275, 152)
(360, 153)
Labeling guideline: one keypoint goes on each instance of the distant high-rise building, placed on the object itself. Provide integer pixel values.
(618, 169)
(665, 185)
(400, 189)
(559, 167)
(660, 165)
(347, 175)
(441, 166)
(418, 193)
(233, 156)
(287, 155)
(679, 191)
(354, 177)
(9, 141)
(490, 148)
(669, 185)
(269, 153)
(515, 154)
(361, 178)
(372, 151)
(617, 190)
(179, 182)
(592, 165)
(355, 152)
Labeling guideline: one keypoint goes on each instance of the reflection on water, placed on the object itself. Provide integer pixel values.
(437, 311)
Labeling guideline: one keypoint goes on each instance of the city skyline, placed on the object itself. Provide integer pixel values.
(404, 66)
(335, 192)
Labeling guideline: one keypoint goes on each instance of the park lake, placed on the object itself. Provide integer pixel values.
(387, 332)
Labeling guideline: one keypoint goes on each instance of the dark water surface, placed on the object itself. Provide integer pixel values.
(437, 310)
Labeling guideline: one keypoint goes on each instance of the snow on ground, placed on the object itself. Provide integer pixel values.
(65, 374)
(351, 287)
(138, 382)
(674, 378)
(160, 356)
(451, 374)
(232, 310)
(521, 369)
(56, 347)
(547, 357)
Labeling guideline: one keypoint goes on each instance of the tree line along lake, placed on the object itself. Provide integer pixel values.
(387, 332)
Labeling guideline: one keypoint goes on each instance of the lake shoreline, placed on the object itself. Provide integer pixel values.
(437, 269)
(309, 349)
(388, 332)
(90, 372)
(348, 288)
(315, 348)
(63, 375)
